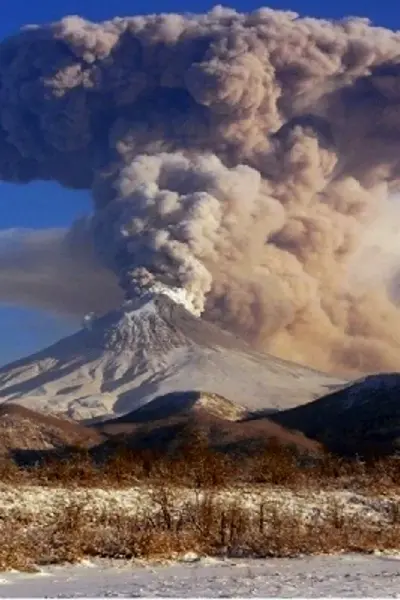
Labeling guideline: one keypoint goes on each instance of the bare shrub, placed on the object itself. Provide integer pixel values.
(192, 463)
(205, 525)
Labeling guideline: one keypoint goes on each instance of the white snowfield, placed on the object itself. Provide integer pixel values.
(346, 576)
(129, 357)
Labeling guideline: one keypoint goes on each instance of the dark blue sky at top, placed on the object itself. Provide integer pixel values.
(42, 205)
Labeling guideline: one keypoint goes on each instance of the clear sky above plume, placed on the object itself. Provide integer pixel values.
(22, 330)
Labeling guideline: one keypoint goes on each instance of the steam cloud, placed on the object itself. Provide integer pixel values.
(242, 157)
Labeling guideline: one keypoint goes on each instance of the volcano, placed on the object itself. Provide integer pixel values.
(126, 358)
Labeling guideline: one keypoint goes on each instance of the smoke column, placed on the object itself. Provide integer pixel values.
(243, 158)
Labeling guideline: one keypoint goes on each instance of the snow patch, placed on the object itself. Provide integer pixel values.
(144, 301)
(178, 295)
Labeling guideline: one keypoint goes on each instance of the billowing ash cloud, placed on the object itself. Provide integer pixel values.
(242, 157)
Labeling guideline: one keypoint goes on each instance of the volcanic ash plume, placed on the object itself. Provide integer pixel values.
(239, 160)
(52, 270)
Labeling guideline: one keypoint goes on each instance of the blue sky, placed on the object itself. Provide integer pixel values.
(22, 331)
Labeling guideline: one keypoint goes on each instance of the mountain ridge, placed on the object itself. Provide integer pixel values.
(360, 418)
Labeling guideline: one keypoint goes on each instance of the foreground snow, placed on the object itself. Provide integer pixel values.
(342, 576)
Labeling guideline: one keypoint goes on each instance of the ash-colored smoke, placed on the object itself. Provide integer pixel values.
(55, 270)
(242, 157)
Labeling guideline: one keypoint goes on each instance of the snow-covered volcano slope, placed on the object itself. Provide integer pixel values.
(130, 356)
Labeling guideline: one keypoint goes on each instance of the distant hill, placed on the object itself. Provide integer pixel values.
(218, 421)
(22, 429)
(179, 404)
(360, 418)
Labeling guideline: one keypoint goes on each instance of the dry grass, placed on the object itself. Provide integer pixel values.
(195, 465)
(203, 523)
(205, 526)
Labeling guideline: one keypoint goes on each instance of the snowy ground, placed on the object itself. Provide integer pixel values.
(342, 576)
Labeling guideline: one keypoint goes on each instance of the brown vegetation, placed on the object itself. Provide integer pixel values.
(206, 526)
(192, 463)
(221, 434)
(197, 448)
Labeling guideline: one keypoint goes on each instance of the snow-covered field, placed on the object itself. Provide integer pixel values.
(340, 576)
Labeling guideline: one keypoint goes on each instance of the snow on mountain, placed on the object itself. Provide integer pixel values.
(126, 358)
